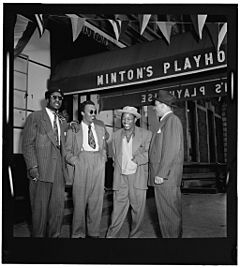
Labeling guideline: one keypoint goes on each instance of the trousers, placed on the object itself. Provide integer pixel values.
(127, 196)
(88, 192)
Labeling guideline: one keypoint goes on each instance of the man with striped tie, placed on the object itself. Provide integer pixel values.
(43, 151)
(86, 151)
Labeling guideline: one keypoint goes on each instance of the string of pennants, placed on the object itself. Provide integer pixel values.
(119, 24)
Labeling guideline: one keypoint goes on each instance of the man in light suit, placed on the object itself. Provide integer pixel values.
(43, 150)
(86, 151)
(166, 156)
(130, 156)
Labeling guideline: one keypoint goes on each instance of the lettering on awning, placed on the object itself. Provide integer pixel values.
(164, 68)
(191, 91)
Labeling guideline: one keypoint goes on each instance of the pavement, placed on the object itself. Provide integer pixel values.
(204, 216)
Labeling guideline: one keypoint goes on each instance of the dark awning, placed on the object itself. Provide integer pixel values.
(142, 63)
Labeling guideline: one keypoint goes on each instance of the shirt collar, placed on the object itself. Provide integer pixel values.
(165, 115)
(124, 132)
(92, 124)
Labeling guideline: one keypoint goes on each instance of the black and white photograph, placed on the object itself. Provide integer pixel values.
(119, 133)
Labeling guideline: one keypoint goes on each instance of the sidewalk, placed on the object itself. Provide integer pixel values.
(204, 215)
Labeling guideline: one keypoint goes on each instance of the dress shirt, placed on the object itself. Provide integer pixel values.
(85, 145)
(51, 116)
(128, 166)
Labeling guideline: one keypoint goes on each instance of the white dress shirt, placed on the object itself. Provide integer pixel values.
(51, 116)
(128, 166)
(85, 145)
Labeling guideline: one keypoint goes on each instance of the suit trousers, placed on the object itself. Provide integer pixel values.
(127, 195)
(169, 209)
(47, 203)
(88, 191)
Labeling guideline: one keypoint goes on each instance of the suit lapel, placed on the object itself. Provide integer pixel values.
(136, 140)
(118, 143)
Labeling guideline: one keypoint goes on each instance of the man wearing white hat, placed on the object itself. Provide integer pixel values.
(130, 155)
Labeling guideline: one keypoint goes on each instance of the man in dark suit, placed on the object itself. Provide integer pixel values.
(43, 150)
(86, 151)
(130, 146)
(166, 156)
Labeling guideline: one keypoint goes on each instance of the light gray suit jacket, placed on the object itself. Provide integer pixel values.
(140, 146)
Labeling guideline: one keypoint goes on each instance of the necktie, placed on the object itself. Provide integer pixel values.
(55, 128)
(91, 140)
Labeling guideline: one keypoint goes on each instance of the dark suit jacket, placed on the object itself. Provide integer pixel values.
(166, 154)
(140, 146)
(39, 145)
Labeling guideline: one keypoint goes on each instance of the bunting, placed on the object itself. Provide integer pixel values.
(221, 35)
(144, 19)
(23, 31)
(116, 24)
(77, 25)
(198, 23)
(213, 32)
(165, 28)
(40, 23)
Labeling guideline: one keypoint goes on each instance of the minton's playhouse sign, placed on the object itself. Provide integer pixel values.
(163, 68)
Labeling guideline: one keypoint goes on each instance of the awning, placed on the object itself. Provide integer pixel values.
(139, 64)
(194, 88)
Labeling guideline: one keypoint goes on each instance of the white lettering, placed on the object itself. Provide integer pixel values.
(121, 74)
(194, 92)
(179, 91)
(187, 64)
(221, 56)
(208, 58)
(106, 78)
(186, 94)
(166, 66)
(202, 90)
(225, 86)
(139, 73)
(150, 97)
(130, 74)
(100, 80)
(218, 88)
(176, 68)
(114, 77)
(149, 71)
(143, 100)
(197, 60)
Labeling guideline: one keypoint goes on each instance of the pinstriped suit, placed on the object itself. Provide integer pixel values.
(47, 194)
(166, 156)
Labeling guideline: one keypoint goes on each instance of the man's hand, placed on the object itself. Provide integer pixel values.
(75, 126)
(158, 180)
(34, 173)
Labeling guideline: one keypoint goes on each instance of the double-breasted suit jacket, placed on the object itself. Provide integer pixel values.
(166, 161)
(39, 145)
(166, 153)
(140, 146)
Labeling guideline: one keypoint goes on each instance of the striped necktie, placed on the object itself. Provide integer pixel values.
(91, 140)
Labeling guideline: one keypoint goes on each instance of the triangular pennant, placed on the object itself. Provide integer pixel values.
(116, 27)
(221, 35)
(166, 28)
(201, 22)
(213, 32)
(77, 25)
(144, 19)
(40, 23)
(19, 28)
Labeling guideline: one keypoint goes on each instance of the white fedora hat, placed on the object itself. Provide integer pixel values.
(130, 110)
